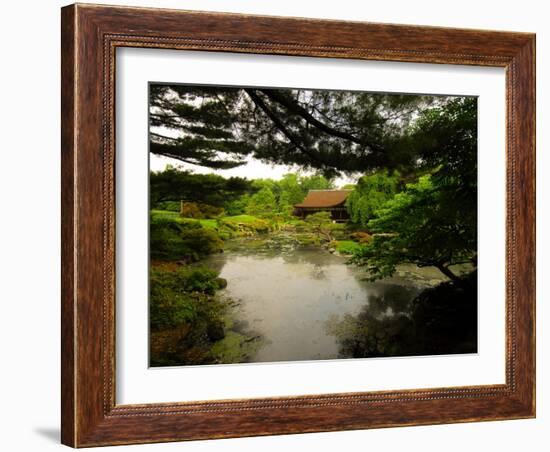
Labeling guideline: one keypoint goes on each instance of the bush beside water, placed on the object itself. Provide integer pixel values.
(173, 240)
(185, 314)
(181, 295)
(188, 319)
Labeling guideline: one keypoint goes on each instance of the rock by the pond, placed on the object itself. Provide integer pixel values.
(221, 282)
(215, 331)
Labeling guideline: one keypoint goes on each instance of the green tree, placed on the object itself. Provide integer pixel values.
(328, 131)
(417, 226)
(370, 193)
(433, 222)
(315, 182)
(290, 193)
(174, 241)
(175, 185)
(194, 124)
(237, 206)
(321, 224)
(262, 202)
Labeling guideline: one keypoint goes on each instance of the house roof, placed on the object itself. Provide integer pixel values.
(324, 198)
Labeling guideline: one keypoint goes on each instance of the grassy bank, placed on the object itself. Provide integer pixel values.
(190, 322)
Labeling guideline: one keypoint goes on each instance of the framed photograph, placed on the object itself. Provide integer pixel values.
(281, 225)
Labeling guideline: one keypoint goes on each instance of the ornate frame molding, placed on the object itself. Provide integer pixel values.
(90, 37)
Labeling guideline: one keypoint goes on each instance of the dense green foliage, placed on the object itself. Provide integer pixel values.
(173, 240)
(370, 193)
(237, 206)
(172, 206)
(438, 320)
(263, 202)
(177, 185)
(181, 295)
(277, 197)
(347, 246)
(186, 315)
(329, 131)
(210, 195)
(418, 226)
(199, 210)
(433, 221)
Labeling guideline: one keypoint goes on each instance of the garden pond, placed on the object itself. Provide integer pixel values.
(291, 301)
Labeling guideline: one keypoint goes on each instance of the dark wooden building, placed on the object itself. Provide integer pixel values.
(333, 201)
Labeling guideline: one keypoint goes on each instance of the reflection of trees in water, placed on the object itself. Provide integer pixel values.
(439, 320)
(390, 300)
(263, 246)
(284, 247)
(317, 272)
(315, 258)
(320, 259)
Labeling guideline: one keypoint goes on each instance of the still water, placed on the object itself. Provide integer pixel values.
(290, 297)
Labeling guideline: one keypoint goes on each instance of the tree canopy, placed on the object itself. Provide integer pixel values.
(433, 221)
(417, 226)
(328, 131)
(175, 185)
(370, 193)
(278, 196)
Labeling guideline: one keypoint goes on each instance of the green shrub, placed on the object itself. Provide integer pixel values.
(199, 210)
(209, 211)
(172, 240)
(362, 237)
(201, 279)
(246, 224)
(237, 206)
(307, 238)
(347, 246)
(169, 304)
(182, 295)
(191, 210)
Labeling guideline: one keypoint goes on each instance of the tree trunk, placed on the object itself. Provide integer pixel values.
(447, 272)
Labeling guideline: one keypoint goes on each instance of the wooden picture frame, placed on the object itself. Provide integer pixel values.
(90, 36)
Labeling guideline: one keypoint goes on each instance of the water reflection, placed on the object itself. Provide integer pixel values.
(438, 320)
(307, 304)
(391, 299)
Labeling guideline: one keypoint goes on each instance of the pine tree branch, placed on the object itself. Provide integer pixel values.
(158, 135)
(281, 126)
(309, 118)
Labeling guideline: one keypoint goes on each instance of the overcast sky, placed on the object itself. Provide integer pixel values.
(254, 169)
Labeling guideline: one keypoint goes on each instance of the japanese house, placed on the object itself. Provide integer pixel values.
(333, 201)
